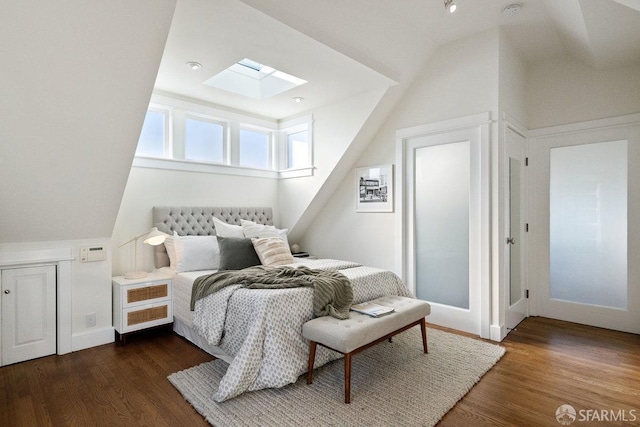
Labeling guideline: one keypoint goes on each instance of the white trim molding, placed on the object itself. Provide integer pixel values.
(629, 119)
(93, 338)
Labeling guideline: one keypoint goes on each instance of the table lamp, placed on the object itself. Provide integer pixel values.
(154, 238)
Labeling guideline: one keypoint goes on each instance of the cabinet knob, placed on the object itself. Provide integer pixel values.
(7, 291)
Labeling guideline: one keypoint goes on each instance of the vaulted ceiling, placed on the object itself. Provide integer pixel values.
(347, 47)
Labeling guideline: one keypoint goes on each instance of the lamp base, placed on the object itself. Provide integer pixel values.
(135, 275)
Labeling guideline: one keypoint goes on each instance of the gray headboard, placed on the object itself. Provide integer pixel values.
(197, 221)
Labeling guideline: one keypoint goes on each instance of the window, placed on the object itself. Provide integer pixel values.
(297, 146)
(203, 140)
(298, 150)
(153, 138)
(255, 80)
(255, 149)
(183, 135)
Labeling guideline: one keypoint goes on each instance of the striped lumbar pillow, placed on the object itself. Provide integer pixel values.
(272, 251)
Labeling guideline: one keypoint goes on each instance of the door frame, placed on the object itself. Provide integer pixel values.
(480, 123)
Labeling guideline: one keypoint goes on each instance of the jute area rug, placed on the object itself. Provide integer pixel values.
(392, 384)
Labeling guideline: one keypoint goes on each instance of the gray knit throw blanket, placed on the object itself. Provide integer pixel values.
(332, 290)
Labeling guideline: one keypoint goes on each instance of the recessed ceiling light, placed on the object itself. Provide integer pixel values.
(450, 5)
(298, 99)
(512, 9)
(194, 65)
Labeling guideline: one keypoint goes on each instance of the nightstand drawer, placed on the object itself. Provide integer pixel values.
(145, 316)
(145, 293)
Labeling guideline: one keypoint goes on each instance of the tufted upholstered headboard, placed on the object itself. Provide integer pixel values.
(197, 221)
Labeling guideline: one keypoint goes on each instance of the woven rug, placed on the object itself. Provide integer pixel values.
(391, 384)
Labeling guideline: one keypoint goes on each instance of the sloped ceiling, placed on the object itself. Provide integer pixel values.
(76, 80)
(601, 33)
(346, 47)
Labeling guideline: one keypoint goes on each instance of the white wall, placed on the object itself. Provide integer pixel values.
(334, 129)
(461, 79)
(147, 188)
(512, 80)
(566, 91)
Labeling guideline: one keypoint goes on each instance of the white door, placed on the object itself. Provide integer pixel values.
(515, 236)
(28, 313)
(585, 234)
(444, 184)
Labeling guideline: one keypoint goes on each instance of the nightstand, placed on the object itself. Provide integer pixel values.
(140, 304)
(304, 255)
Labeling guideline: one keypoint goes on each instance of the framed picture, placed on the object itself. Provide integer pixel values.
(374, 189)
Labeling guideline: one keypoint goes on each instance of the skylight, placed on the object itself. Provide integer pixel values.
(253, 79)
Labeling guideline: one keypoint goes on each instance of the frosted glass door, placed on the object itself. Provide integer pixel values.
(588, 223)
(442, 175)
(445, 215)
(584, 234)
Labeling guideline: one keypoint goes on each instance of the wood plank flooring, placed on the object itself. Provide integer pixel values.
(548, 363)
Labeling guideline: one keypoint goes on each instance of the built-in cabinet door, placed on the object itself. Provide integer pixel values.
(28, 313)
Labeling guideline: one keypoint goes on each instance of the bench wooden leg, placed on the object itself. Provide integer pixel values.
(347, 378)
(312, 356)
(423, 329)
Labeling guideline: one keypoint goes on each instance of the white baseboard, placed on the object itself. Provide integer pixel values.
(498, 332)
(92, 338)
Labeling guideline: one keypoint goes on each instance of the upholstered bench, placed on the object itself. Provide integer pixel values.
(360, 331)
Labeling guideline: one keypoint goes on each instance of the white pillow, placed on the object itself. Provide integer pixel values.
(193, 253)
(227, 230)
(252, 229)
(171, 250)
(272, 251)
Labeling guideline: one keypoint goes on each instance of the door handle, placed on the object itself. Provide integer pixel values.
(511, 240)
(7, 291)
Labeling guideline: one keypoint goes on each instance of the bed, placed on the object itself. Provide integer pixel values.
(258, 332)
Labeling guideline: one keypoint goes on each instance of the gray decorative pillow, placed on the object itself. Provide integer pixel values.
(237, 253)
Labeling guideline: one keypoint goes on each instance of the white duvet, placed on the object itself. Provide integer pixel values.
(262, 328)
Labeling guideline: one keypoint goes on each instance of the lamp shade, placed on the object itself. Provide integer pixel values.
(155, 237)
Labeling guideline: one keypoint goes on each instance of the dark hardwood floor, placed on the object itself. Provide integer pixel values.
(548, 363)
